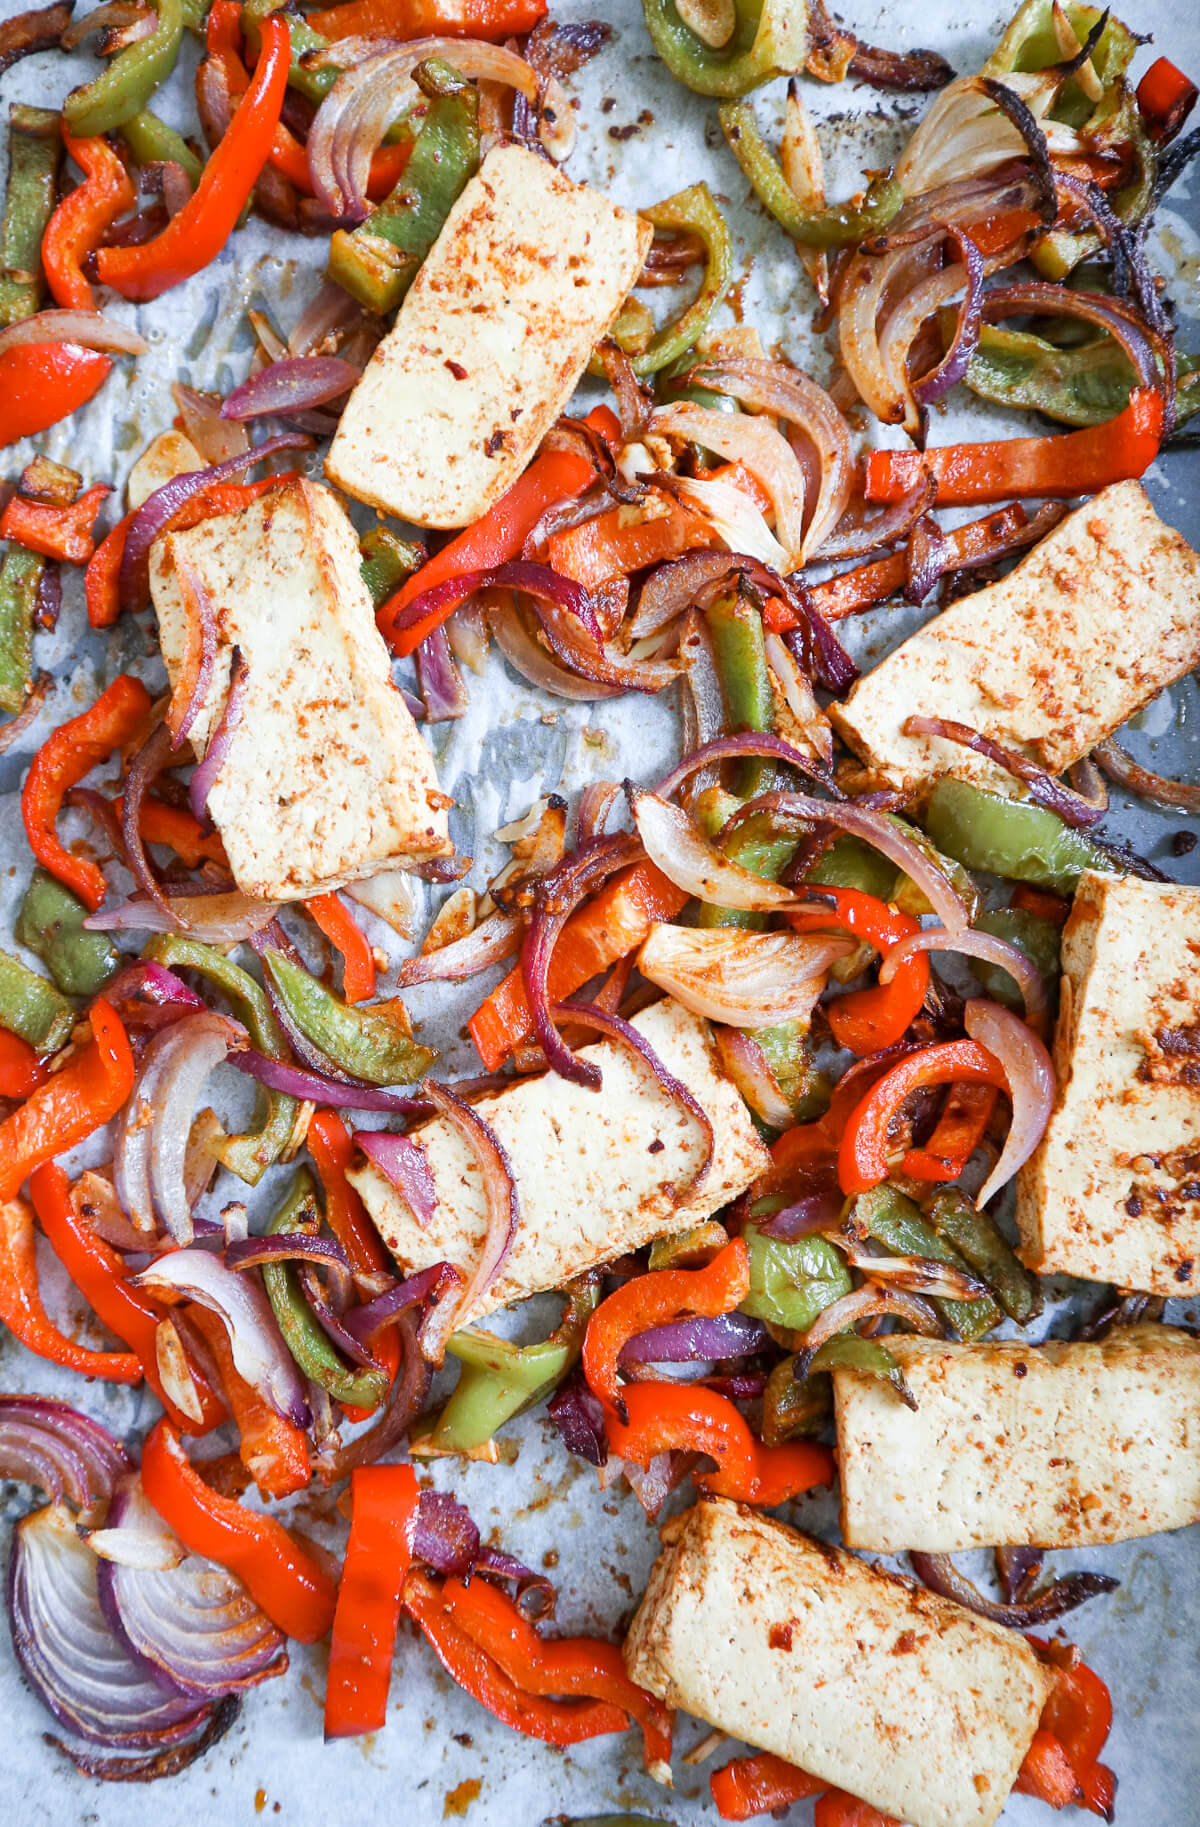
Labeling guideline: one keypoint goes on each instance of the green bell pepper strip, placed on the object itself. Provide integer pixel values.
(125, 87)
(794, 1407)
(315, 1355)
(499, 1380)
(755, 846)
(788, 1053)
(850, 863)
(20, 575)
(1030, 43)
(980, 1242)
(1039, 939)
(386, 561)
(151, 142)
(378, 261)
(249, 1155)
(735, 627)
(674, 383)
(316, 84)
(34, 156)
(1087, 384)
(686, 1249)
(899, 1225)
(371, 1041)
(33, 1008)
(791, 1283)
(867, 1357)
(912, 900)
(1009, 837)
(50, 924)
(770, 38)
(692, 210)
(834, 224)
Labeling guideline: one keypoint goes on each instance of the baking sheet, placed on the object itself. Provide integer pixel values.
(441, 1757)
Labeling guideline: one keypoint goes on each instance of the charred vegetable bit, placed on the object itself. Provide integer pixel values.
(50, 924)
(833, 225)
(899, 1225)
(980, 1242)
(34, 157)
(769, 39)
(125, 87)
(866, 1357)
(32, 1008)
(373, 1044)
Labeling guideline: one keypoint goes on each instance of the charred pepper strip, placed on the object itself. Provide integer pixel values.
(20, 576)
(378, 261)
(866, 1357)
(50, 924)
(372, 1043)
(900, 1227)
(983, 1246)
(1086, 384)
(125, 87)
(34, 154)
(770, 38)
(248, 1156)
(33, 1008)
(836, 224)
(500, 1379)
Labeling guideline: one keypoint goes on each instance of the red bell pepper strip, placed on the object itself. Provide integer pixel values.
(41, 383)
(71, 1105)
(76, 227)
(194, 237)
(272, 1449)
(22, 1311)
(557, 475)
(960, 1129)
(812, 1148)
(1070, 463)
(66, 756)
(330, 1146)
(1048, 1773)
(612, 924)
(866, 1021)
(837, 1809)
(370, 1593)
(1079, 1712)
(101, 580)
(282, 1577)
(653, 1300)
(586, 1668)
(175, 828)
(556, 1722)
(346, 936)
(21, 1071)
(759, 1785)
(99, 1274)
(65, 533)
(495, 19)
(1165, 97)
(863, 1153)
(688, 1417)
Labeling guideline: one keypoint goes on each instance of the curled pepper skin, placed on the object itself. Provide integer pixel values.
(76, 226)
(863, 1154)
(73, 1103)
(282, 1577)
(866, 1021)
(652, 1300)
(22, 1311)
(384, 1501)
(73, 750)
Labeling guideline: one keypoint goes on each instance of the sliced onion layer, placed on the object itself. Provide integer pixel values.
(496, 938)
(686, 857)
(67, 1455)
(503, 1214)
(766, 453)
(220, 742)
(697, 1340)
(404, 1163)
(295, 384)
(746, 1064)
(83, 329)
(973, 944)
(744, 979)
(1030, 1073)
(299, 1082)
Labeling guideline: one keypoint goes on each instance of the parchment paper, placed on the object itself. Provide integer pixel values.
(441, 1757)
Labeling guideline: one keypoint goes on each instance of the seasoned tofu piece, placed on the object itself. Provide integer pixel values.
(1090, 625)
(596, 1172)
(866, 1681)
(522, 283)
(326, 779)
(1113, 1193)
(1062, 1445)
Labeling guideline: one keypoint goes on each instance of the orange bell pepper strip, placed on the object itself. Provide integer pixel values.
(66, 756)
(272, 1449)
(689, 1417)
(586, 1668)
(837, 1809)
(1071, 463)
(1079, 1713)
(623, 540)
(177, 830)
(494, 19)
(1048, 1773)
(960, 1129)
(99, 1274)
(65, 533)
(497, 536)
(330, 1146)
(21, 1071)
(41, 383)
(863, 1153)
(612, 924)
(22, 1311)
(653, 1300)
(370, 1593)
(1165, 97)
(194, 237)
(866, 1021)
(283, 1578)
(71, 1105)
(75, 228)
(556, 1722)
(101, 580)
(346, 936)
(758, 1785)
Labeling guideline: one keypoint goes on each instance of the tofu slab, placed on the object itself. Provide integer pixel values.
(596, 1172)
(1113, 1193)
(861, 1678)
(1090, 625)
(326, 779)
(522, 283)
(1062, 1445)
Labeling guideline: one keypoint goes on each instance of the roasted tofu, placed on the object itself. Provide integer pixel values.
(597, 1173)
(1113, 1193)
(864, 1680)
(326, 779)
(522, 283)
(1062, 1445)
(1090, 625)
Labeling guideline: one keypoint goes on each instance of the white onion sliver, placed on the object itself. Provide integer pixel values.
(972, 944)
(673, 842)
(1030, 1073)
(755, 442)
(745, 979)
(84, 329)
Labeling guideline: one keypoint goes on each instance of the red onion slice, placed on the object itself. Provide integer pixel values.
(216, 439)
(1071, 807)
(914, 1274)
(443, 695)
(818, 1210)
(766, 453)
(868, 1303)
(1171, 795)
(259, 1353)
(578, 1414)
(601, 663)
(1030, 1073)
(965, 341)
(732, 748)
(674, 586)
(403, 1163)
(445, 1537)
(147, 997)
(527, 657)
(496, 938)
(195, 679)
(83, 329)
(287, 1246)
(503, 1215)
(973, 944)
(677, 847)
(219, 916)
(938, 1572)
(324, 1309)
(746, 1064)
(144, 769)
(221, 741)
(534, 1593)
(295, 384)
(439, 1282)
(888, 527)
(537, 581)
(297, 1082)
(693, 1341)
(408, 1396)
(68, 1455)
